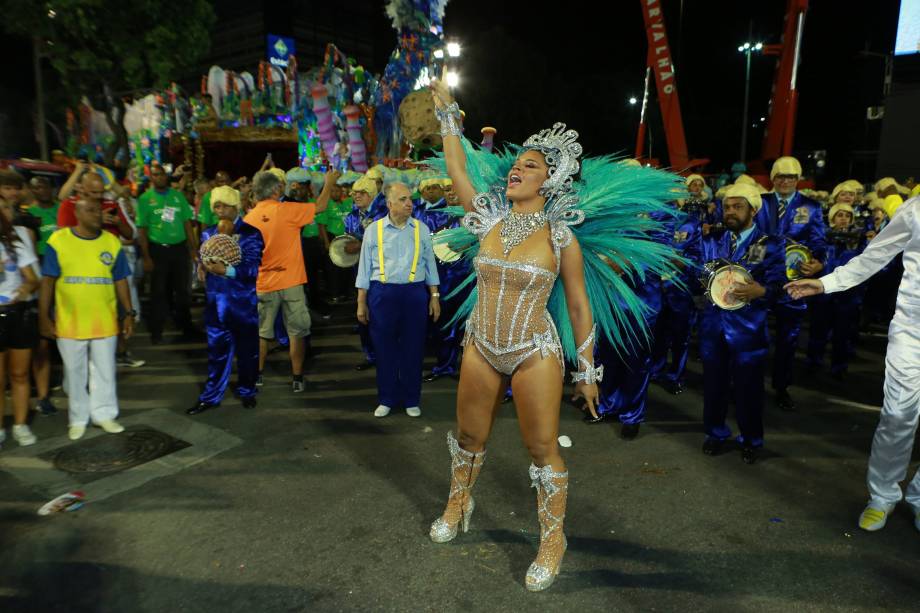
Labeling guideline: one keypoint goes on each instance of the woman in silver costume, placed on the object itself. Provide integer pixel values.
(524, 247)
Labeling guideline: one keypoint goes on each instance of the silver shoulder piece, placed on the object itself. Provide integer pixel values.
(489, 208)
(562, 213)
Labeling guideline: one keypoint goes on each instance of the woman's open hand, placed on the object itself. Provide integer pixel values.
(440, 93)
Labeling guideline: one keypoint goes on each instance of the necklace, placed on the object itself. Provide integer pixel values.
(517, 227)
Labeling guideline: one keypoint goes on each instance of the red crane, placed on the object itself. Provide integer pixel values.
(780, 131)
(659, 62)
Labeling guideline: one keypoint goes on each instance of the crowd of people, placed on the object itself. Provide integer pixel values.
(286, 273)
(273, 252)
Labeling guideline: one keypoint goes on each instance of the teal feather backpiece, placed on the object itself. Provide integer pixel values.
(626, 211)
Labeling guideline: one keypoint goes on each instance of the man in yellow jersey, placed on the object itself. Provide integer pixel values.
(397, 288)
(85, 269)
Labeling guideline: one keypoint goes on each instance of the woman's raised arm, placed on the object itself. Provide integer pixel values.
(449, 114)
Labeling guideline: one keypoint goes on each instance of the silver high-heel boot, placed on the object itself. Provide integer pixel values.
(464, 469)
(552, 493)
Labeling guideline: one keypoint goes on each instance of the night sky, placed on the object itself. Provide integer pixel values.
(524, 69)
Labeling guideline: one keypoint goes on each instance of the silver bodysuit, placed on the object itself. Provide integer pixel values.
(510, 322)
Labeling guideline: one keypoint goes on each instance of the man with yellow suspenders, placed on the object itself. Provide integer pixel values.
(397, 290)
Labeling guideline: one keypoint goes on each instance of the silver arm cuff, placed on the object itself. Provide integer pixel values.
(587, 372)
(449, 117)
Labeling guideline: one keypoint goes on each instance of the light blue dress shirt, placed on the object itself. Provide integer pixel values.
(398, 250)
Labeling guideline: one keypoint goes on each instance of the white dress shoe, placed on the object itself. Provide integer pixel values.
(413, 411)
(23, 435)
(382, 411)
(76, 432)
(111, 426)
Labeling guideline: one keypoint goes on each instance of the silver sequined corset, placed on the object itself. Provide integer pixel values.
(510, 322)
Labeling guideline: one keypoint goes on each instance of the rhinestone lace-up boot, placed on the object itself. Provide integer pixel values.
(464, 469)
(552, 492)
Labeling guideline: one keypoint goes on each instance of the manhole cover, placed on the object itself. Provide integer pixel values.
(101, 456)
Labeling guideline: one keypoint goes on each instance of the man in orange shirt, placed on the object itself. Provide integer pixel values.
(282, 274)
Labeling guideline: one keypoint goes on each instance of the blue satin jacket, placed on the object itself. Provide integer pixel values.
(803, 222)
(435, 216)
(233, 300)
(686, 238)
(357, 220)
(764, 257)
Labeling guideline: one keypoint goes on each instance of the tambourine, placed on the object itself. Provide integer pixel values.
(796, 255)
(719, 278)
(339, 256)
(442, 250)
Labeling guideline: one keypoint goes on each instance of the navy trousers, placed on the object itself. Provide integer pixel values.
(835, 318)
(729, 370)
(398, 325)
(788, 318)
(672, 335)
(624, 389)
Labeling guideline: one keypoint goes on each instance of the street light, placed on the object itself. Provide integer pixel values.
(747, 49)
(453, 79)
(633, 100)
(453, 49)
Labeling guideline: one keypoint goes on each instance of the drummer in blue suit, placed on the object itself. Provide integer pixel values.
(231, 314)
(734, 343)
(678, 312)
(836, 316)
(624, 392)
(797, 219)
(378, 206)
(447, 340)
(363, 193)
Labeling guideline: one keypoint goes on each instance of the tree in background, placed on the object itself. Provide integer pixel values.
(109, 50)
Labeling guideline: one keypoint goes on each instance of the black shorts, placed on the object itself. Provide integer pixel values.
(18, 327)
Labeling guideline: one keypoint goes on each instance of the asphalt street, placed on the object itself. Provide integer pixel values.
(319, 506)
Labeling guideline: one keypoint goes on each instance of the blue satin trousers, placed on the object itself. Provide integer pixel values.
(730, 372)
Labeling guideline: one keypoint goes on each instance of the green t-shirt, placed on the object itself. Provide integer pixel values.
(205, 215)
(164, 216)
(49, 223)
(310, 231)
(334, 216)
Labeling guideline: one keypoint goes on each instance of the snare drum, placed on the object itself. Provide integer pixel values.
(796, 255)
(720, 278)
(337, 252)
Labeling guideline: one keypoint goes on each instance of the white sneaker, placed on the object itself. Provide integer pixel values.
(873, 517)
(382, 411)
(413, 411)
(111, 426)
(23, 435)
(75, 433)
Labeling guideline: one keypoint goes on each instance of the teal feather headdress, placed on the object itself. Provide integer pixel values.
(625, 209)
